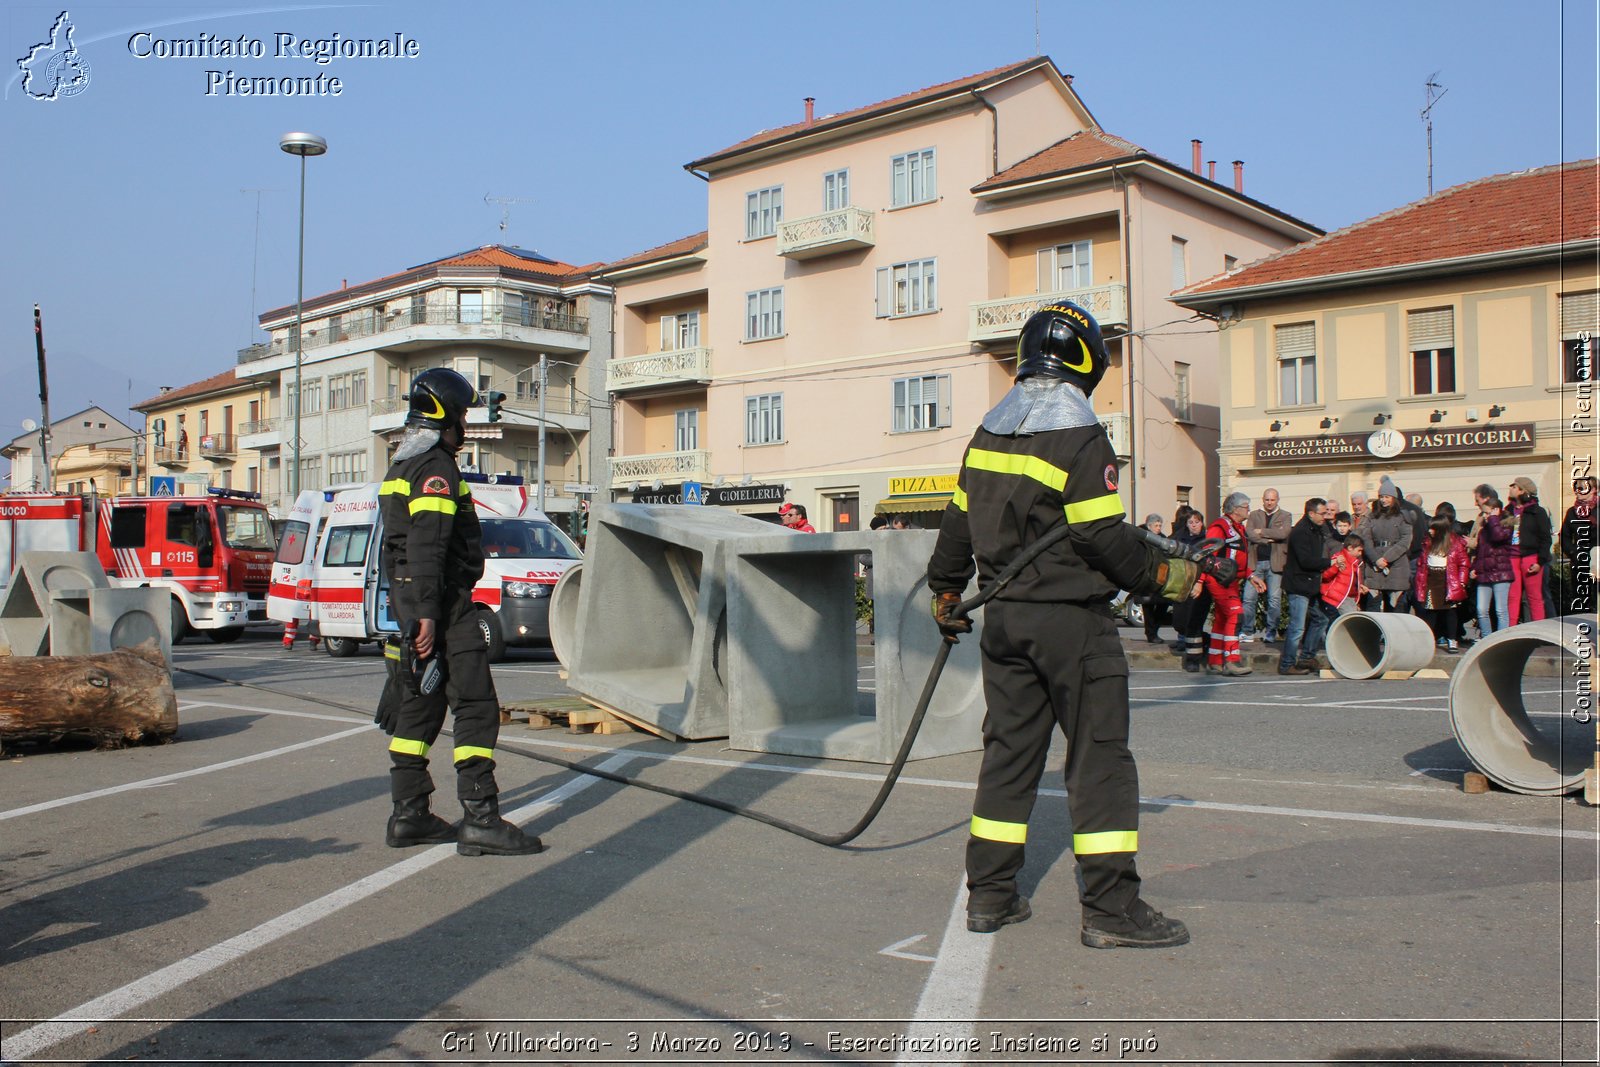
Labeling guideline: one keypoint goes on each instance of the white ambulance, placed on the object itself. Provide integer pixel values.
(289, 594)
(525, 554)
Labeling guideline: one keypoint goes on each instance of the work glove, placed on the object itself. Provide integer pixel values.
(388, 712)
(1223, 569)
(1177, 577)
(950, 624)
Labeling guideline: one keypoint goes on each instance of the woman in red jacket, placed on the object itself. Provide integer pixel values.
(1440, 584)
(1222, 657)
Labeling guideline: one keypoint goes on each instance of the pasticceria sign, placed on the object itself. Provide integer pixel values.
(1389, 443)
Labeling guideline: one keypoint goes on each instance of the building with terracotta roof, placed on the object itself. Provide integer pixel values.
(852, 309)
(88, 446)
(490, 313)
(1446, 342)
(191, 435)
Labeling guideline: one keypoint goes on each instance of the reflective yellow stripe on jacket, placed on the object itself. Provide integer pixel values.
(1047, 474)
(395, 485)
(408, 748)
(433, 503)
(1100, 507)
(1012, 833)
(959, 498)
(1105, 841)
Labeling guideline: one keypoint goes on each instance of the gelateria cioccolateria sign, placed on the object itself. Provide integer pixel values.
(1388, 443)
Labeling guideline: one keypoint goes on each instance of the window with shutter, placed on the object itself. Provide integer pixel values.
(1580, 321)
(1431, 338)
(1297, 364)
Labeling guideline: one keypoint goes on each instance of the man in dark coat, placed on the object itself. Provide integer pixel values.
(1302, 581)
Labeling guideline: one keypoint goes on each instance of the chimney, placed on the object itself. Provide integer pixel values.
(811, 110)
(1211, 170)
(1068, 79)
(165, 389)
(344, 283)
(1238, 175)
(1194, 145)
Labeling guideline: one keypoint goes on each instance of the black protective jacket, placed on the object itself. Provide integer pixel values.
(432, 543)
(1012, 490)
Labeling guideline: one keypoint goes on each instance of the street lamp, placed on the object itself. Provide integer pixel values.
(300, 144)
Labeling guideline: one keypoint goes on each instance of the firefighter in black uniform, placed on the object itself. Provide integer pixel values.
(1051, 654)
(433, 556)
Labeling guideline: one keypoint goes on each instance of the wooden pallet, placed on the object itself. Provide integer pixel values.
(577, 715)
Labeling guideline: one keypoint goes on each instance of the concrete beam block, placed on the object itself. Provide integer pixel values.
(25, 611)
(795, 684)
(86, 622)
(651, 630)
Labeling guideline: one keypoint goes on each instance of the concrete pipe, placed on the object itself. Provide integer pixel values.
(1365, 644)
(564, 615)
(1491, 722)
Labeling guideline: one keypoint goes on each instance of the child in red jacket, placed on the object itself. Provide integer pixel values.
(1340, 584)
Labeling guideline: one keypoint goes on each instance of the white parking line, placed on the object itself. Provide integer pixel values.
(947, 1010)
(141, 991)
(148, 783)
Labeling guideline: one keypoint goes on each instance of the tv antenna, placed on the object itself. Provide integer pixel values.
(255, 258)
(505, 203)
(1433, 91)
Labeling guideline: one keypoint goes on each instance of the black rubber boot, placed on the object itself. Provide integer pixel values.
(987, 921)
(1141, 926)
(413, 824)
(484, 832)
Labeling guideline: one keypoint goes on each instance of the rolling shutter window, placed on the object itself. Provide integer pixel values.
(1433, 329)
(1046, 270)
(1299, 339)
(669, 332)
(1580, 313)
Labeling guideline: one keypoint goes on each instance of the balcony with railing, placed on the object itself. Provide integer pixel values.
(659, 368)
(1119, 429)
(170, 456)
(259, 433)
(218, 446)
(526, 323)
(1001, 320)
(564, 407)
(844, 230)
(693, 465)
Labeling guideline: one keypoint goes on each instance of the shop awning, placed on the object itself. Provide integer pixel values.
(902, 505)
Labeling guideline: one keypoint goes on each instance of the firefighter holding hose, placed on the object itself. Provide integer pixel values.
(1051, 654)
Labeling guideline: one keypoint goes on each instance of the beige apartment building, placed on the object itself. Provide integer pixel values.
(852, 309)
(1446, 343)
(191, 435)
(490, 313)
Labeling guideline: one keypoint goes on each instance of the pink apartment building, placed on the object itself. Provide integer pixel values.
(852, 309)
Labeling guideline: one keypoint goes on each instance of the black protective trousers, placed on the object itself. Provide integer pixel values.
(468, 691)
(1048, 666)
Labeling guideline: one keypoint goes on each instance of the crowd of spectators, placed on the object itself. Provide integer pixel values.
(1482, 569)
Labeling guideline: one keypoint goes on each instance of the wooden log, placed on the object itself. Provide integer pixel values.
(112, 699)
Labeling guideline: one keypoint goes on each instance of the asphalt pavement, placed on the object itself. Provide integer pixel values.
(229, 898)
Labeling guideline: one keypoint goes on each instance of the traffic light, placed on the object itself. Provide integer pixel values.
(495, 400)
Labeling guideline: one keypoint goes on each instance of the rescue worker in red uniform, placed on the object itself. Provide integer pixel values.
(433, 556)
(1222, 654)
(1051, 654)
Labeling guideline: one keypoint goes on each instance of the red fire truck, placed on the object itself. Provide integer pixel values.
(213, 552)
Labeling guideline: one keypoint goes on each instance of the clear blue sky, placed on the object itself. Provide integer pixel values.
(126, 217)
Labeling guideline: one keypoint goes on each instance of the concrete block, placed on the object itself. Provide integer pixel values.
(25, 609)
(794, 680)
(651, 630)
(86, 622)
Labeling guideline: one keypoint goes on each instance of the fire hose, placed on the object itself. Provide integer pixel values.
(1201, 553)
